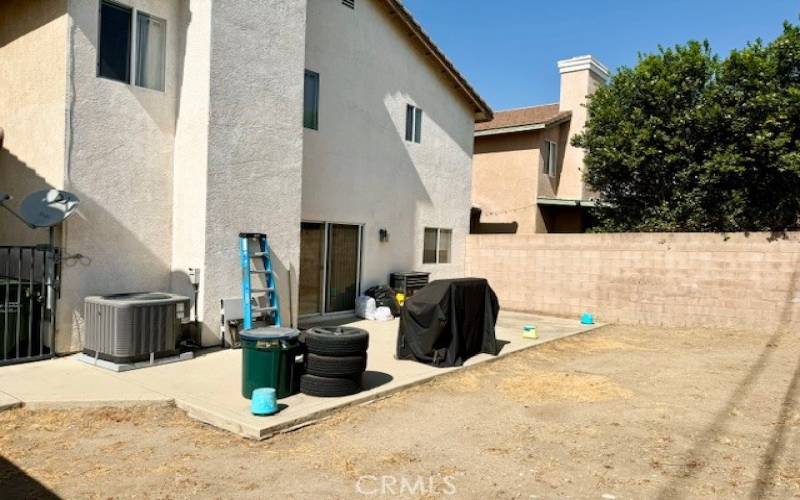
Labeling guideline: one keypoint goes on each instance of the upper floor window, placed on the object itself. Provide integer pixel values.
(114, 47)
(116, 41)
(436, 245)
(311, 100)
(151, 37)
(550, 158)
(413, 124)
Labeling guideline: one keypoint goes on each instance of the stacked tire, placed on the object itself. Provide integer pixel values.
(335, 360)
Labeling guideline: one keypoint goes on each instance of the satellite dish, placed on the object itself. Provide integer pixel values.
(48, 208)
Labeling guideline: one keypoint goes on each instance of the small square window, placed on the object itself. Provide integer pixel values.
(311, 100)
(550, 158)
(114, 42)
(151, 49)
(413, 124)
(437, 246)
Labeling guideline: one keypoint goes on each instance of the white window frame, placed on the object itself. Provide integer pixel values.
(133, 64)
(438, 248)
(551, 158)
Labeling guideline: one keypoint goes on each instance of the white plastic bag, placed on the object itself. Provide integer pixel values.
(383, 313)
(365, 307)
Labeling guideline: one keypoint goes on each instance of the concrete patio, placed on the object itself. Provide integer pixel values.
(208, 387)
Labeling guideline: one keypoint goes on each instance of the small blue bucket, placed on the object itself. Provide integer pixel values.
(264, 401)
(587, 319)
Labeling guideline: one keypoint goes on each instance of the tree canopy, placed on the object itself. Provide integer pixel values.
(687, 141)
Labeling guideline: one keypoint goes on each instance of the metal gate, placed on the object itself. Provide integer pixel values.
(29, 277)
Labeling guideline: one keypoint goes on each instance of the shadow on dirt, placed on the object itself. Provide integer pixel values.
(15, 483)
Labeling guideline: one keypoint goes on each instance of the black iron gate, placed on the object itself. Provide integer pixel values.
(29, 277)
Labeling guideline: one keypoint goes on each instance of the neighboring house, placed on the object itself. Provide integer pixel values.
(525, 169)
(335, 126)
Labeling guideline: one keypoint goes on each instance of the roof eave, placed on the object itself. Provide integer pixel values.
(523, 128)
(510, 130)
(483, 113)
(565, 202)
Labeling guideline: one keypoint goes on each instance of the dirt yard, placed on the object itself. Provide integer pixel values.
(615, 413)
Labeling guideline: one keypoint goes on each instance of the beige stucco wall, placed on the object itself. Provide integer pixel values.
(358, 168)
(190, 158)
(576, 86)
(745, 281)
(255, 143)
(506, 177)
(119, 162)
(33, 36)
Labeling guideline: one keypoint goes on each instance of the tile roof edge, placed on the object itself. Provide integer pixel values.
(405, 15)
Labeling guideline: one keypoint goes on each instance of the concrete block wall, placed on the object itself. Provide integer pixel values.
(736, 280)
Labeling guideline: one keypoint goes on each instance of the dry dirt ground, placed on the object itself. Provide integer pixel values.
(619, 412)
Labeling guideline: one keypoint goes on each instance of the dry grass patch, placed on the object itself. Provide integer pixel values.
(548, 387)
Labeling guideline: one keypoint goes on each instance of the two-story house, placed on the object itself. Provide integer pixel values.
(336, 127)
(525, 169)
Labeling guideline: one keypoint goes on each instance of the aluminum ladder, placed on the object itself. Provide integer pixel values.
(259, 302)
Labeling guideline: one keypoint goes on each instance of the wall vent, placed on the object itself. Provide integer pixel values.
(349, 3)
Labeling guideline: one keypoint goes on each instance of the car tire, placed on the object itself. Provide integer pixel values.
(335, 366)
(329, 387)
(336, 341)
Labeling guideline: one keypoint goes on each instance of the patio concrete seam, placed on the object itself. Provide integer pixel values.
(8, 401)
(96, 403)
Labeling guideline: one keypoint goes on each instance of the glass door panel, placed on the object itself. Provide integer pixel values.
(312, 243)
(342, 268)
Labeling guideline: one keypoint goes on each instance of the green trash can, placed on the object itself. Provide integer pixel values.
(269, 359)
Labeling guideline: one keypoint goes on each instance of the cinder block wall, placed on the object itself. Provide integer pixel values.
(735, 280)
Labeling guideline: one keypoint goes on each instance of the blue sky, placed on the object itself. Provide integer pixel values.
(508, 49)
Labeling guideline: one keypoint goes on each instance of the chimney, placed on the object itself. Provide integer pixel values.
(580, 77)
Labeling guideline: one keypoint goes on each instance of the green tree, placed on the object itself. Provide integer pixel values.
(685, 141)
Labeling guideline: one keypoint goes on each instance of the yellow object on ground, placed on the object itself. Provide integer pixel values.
(529, 332)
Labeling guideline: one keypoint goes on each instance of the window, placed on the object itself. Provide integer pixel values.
(550, 158)
(445, 237)
(413, 124)
(151, 37)
(114, 45)
(436, 245)
(311, 101)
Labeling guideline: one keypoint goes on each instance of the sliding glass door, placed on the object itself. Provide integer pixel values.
(312, 255)
(330, 266)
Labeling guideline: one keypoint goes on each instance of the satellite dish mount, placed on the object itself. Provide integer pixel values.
(47, 208)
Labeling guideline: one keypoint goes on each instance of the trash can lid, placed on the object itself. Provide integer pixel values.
(270, 333)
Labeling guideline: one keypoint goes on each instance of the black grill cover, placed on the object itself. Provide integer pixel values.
(448, 321)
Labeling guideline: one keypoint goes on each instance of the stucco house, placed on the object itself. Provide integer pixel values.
(525, 169)
(336, 127)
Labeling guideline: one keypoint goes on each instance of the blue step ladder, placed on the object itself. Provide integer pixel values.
(260, 300)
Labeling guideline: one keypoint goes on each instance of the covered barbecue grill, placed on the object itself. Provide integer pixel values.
(448, 321)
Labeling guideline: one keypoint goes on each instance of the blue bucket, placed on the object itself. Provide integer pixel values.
(264, 401)
(587, 319)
